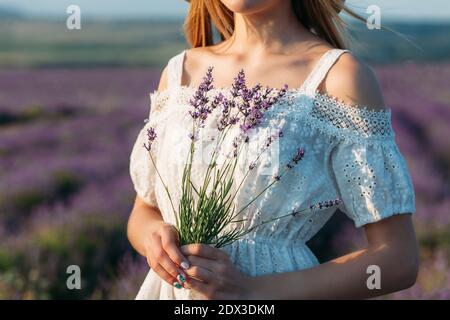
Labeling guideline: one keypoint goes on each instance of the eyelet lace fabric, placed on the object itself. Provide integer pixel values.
(350, 152)
(351, 122)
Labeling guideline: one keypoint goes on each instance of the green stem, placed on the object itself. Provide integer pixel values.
(162, 181)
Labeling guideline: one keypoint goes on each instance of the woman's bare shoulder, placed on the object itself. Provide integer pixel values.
(195, 56)
(192, 61)
(196, 60)
(354, 82)
(163, 80)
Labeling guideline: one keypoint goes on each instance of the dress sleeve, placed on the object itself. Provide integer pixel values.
(142, 171)
(370, 173)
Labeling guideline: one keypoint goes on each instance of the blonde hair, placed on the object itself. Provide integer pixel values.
(320, 15)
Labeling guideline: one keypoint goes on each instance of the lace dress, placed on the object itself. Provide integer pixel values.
(350, 153)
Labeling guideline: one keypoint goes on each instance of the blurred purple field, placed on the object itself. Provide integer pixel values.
(65, 193)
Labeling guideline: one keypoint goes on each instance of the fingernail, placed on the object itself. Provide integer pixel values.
(177, 285)
(187, 285)
(185, 265)
(181, 278)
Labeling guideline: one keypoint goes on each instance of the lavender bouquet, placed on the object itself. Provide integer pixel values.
(206, 213)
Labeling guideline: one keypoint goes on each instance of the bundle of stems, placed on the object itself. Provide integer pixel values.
(207, 213)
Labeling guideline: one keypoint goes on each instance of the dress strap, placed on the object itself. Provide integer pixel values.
(321, 69)
(175, 70)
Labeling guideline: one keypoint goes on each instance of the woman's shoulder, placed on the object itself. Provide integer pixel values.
(176, 61)
(198, 52)
(349, 103)
(354, 83)
(196, 59)
(194, 56)
(182, 64)
(162, 85)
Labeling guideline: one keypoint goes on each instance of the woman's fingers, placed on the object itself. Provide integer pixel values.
(169, 243)
(203, 250)
(167, 263)
(201, 274)
(161, 261)
(198, 286)
(159, 270)
(209, 292)
(208, 264)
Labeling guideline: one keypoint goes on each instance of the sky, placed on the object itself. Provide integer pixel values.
(391, 9)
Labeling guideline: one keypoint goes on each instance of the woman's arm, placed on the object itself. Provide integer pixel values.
(154, 238)
(391, 242)
(140, 223)
(142, 216)
(391, 246)
(157, 241)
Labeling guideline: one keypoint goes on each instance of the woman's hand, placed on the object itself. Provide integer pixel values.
(163, 254)
(213, 275)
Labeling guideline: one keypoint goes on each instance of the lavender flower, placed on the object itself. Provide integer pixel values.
(257, 105)
(151, 136)
(319, 205)
(217, 100)
(298, 156)
(325, 204)
(235, 142)
(239, 84)
(252, 104)
(233, 120)
(225, 121)
(199, 102)
(193, 136)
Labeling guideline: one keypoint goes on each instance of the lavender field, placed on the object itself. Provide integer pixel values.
(65, 192)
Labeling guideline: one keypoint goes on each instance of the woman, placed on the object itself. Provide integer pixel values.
(336, 111)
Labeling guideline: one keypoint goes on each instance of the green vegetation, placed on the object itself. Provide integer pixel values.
(26, 43)
(31, 43)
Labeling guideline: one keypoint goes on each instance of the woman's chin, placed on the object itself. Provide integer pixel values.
(246, 7)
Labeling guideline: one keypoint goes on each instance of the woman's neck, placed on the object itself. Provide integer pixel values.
(269, 31)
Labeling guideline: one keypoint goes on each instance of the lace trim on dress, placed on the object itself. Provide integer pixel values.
(323, 112)
(158, 99)
(351, 122)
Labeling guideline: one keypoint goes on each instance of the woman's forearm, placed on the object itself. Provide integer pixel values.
(142, 219)
(343, 278)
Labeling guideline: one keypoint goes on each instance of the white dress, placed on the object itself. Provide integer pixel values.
(350, 153)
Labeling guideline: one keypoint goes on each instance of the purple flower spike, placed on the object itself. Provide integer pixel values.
(151, 136)
(193, 137)
(217, 100)
(200, 100)
(254, 102)
(325, 204)
(239, 84)
(233, 120)
(299, 155)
